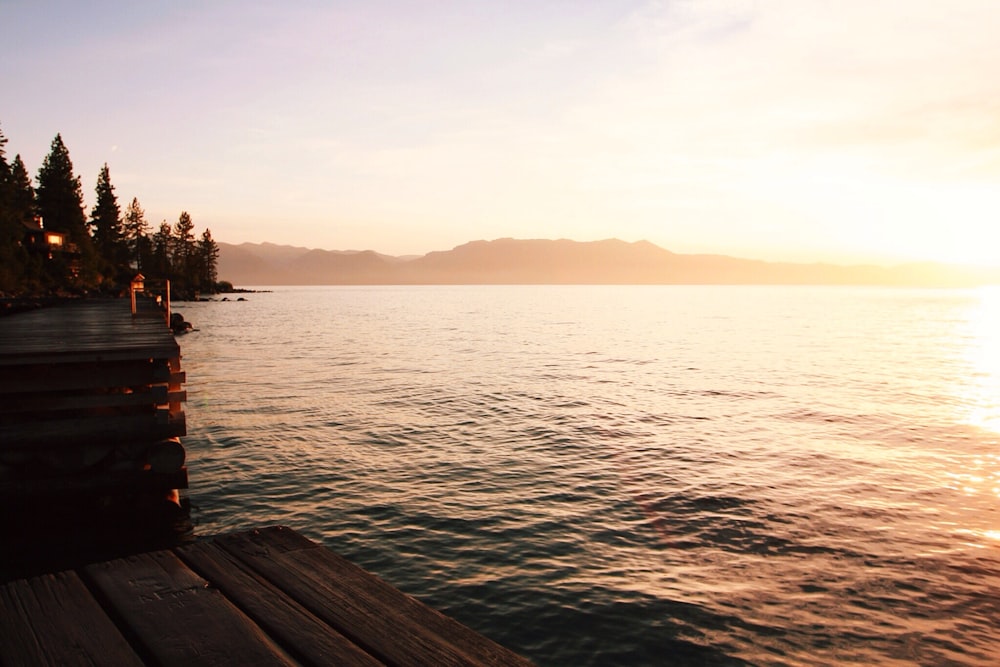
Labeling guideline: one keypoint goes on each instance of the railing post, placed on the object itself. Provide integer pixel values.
(138, 283)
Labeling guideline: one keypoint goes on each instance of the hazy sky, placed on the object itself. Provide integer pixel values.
(848, 130)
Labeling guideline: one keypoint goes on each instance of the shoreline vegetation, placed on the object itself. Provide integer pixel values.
(50, 248)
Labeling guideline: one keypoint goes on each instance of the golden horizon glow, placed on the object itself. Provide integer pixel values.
(785, 131)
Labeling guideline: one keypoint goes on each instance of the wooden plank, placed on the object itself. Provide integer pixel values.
(90, 351)
(120, 481)
(54, 620)
(101, 429)
(386, 622)
(35, 402)
(178, 617)
(306, 637)
(27, 378)
(83, 331)
(259, 598)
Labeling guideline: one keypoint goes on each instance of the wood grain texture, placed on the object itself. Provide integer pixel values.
(262, 597)
(53, 620)
(395, 627)
(178, 617)
(309, 639)
(99, 330)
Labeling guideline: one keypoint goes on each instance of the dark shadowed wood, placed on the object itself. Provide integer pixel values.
(179, 617)
(53, 620)
(28, 402)
(36, 488)
(385, 621)
(71, 376)
(306, 637)
(109, 429)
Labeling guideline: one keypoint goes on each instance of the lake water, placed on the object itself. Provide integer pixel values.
(626, 475)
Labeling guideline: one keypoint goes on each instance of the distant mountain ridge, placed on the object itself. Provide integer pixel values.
(543, 261)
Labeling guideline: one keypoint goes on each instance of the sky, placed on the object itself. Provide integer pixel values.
(856, 131)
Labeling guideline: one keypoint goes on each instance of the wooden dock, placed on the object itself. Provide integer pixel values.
(91, 414)
(264, 597)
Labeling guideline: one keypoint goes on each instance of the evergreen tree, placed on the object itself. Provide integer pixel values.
(8, 224)
(59, 199)
(22, 196)
(159, 265)
(59, 196)
(6, 196)
(4, 169)
(208, 261)
(182, 258)
(24, 273)
(136, 231)
(106, 220)
(18, 273)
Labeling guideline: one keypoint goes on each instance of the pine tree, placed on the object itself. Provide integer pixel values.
(208, 260)
(29, 268)
(8, 225)
(183, 255)
(4, 168)
(22, 196)
(106, 220)
(59, 199)
(136, 232)
(19, 272)
(160, 258)
(59, 195)
(7, 229)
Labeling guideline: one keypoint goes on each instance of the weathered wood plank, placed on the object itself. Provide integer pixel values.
(83, 331)
(306, 637)
(123, 481)
(99, 429)
(178, 617)
(156, 395)
(89, 351)
(54, 620)
(50, 377)
(257, 598)
(386, 622)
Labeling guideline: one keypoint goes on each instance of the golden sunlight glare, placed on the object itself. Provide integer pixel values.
(984, 354)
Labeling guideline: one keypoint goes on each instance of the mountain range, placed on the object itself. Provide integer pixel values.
(542, 261)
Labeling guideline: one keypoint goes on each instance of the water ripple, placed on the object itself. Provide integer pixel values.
(630, 475)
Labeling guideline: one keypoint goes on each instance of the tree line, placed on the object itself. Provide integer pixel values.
(50, 246)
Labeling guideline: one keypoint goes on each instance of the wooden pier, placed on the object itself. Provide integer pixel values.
(264, 597)
(91, 414)
(86, 381)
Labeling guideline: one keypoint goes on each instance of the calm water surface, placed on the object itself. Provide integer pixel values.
(626, 475)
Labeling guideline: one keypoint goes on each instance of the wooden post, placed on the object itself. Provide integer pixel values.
(168, 301)
(137, 285)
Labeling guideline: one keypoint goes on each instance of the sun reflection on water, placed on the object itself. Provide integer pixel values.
(981, 391)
